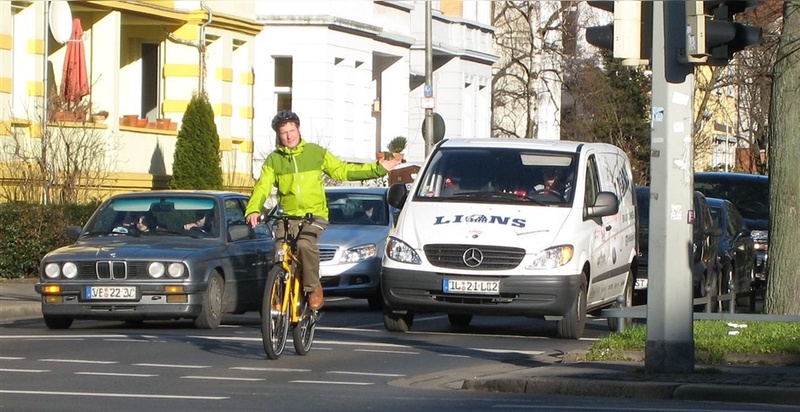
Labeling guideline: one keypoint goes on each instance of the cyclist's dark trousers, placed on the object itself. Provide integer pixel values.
(307, 250)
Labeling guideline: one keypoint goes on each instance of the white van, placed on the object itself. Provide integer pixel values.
(479, 235)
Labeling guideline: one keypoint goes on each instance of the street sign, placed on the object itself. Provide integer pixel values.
(427, 102)
(428, 90)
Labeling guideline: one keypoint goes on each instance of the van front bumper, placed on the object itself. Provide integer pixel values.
(520, 295)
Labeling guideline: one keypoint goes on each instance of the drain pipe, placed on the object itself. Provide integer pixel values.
(200, 45)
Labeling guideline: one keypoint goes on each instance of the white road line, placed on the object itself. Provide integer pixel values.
(25, 370)
(521, 352)
(387, 351)
(334, 383)
(115, 395)
(166, 365)
(129, 340)
(79, 361)
(248, 368)
(389, 375)
(448, 355)
(11, 358)
(132, 375)
(222, 378)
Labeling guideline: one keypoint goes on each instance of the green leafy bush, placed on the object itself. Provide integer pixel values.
(32, 230)
(196, 163)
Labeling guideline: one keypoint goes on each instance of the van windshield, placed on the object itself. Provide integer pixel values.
(500, 175)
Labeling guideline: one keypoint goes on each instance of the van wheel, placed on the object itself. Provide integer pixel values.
(398, 322)
(572, 324)
(627, 294)
(458, 319)
(57, 322)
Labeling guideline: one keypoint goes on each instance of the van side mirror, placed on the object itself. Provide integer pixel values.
(606, 204)
(397, 195)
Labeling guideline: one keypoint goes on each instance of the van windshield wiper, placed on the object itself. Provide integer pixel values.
(496, 195)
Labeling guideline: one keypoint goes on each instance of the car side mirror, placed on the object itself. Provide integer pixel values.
(240, 232)
(397, 195)
(74, 232)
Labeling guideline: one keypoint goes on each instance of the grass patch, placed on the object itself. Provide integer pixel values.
(712, 340)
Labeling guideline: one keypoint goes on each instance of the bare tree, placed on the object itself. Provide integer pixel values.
(783, 285)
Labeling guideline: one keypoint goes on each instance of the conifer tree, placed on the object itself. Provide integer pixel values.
(196, 163)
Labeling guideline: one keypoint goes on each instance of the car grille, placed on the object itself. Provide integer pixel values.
(326, 254)
(112, 270)
(494, 257)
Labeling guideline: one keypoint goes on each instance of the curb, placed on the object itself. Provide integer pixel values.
(20, 311)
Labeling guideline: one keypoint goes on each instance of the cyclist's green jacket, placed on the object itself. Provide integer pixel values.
(297, 173)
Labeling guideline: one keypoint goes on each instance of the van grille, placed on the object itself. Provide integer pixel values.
(479, 257)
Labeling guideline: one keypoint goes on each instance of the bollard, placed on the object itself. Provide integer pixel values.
(621, 317)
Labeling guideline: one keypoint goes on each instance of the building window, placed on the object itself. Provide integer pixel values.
(150, 80)
(283, 83)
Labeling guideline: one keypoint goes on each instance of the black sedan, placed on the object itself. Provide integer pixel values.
(736, 250)
(158, 255)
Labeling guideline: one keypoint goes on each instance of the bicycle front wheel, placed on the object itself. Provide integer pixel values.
(303, 331)
(274, 320)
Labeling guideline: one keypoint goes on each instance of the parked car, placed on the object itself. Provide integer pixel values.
(705, 265)
(158, 255)
(352, 247)
(750, 194)
(736, 250)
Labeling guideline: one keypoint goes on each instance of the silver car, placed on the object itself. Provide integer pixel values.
(352, 247)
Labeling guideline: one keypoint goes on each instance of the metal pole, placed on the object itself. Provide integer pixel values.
(428, 75)
(670, 344)
(45, 103)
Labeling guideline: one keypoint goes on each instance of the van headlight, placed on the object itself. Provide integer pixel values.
(359, 253)
(400, 251)
(554, 257)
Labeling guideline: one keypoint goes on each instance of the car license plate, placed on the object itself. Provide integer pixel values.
(482, 287)
(111, 293)
(640, 284)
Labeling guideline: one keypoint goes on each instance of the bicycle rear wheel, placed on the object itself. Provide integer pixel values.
(274, 322)
(303, 331)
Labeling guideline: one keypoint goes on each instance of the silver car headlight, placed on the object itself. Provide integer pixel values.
(400, 251)
(52, 270)
(359, 253)
(70, 270)
(552, 258)
(155, 270)
(176, 270)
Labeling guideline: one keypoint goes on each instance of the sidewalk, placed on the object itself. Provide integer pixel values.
(777, 383)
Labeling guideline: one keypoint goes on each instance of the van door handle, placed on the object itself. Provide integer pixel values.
(608, 228)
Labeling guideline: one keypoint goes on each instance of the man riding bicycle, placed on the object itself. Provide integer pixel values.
(295, 167)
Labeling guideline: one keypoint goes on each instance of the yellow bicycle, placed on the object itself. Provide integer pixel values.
(285, 302)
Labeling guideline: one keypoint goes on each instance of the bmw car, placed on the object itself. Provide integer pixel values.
(158, 255)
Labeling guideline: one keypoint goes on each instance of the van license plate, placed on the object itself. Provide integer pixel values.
(481, 287)
(640, 284)
(111, 293)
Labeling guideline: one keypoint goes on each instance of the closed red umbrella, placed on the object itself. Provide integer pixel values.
(75, 81)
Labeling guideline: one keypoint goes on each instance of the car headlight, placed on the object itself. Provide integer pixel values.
(176, 270)
(359, 253)
(70, 270)
(400, 251)
(155, 269)
(552, 258)
(52, 270)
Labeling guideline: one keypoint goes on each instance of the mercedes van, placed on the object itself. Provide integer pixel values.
(512, 227)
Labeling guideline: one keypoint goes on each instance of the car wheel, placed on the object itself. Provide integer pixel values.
(398, 322)
(727, 286)
(708, 288)
(572, 324)
(57, 322)
(459, 319)
(627, 302)
(211, 313)
(743, 297)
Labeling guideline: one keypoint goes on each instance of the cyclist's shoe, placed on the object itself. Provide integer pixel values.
(316, 299)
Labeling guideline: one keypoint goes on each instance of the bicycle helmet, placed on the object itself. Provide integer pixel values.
(284, 116)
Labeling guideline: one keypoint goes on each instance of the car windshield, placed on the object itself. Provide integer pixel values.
(156, 215)
(499, 176)
(752, 200)
(351, 208)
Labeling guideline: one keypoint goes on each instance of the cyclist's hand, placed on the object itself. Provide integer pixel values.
(253, 219)
(389, 164)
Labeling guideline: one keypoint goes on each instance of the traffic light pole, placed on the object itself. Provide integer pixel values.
(670, 343)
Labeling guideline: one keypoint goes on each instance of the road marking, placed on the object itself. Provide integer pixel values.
(115, 395)
(132, 375)
(248, 368)
(25, 370)
(11, 358)
(166, 365)
(334, 383)
(388, 351)
(79, 361)
(390, 375)
(222, 378)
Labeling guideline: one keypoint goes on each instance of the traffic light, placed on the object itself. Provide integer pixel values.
(711, 34)
(630, 36)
